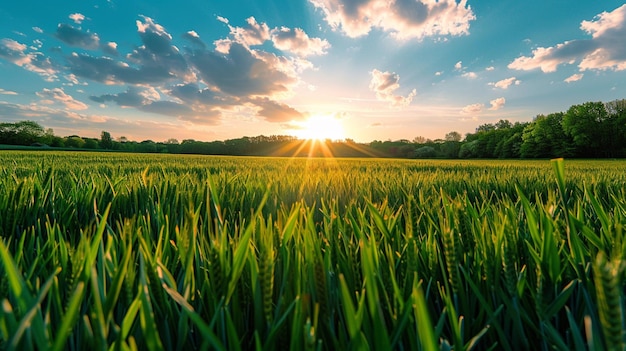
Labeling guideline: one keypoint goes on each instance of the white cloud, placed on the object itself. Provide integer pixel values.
(497, 103)
(384, 84)
(196, 84)
(458, 66)
(77, 18)
(472, 109)
(7, 92)
(490, 68)
(253, 34)
(574, 78)
(470, 75)
(286, 39)
(506, 83)
(72, 79)
(298, 42)
(606, 50)
(110, 48)
(57, 94)
(17, 53)
(404, 19)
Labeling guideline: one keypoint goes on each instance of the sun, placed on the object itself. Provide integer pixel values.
(320, 127)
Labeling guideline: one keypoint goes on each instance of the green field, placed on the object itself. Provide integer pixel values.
(108, 251)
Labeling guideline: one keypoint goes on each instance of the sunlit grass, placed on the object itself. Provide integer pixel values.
(129, 251)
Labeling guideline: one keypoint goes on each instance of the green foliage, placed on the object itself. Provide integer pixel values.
(20, 133)
(106, 141)
(129, 251)
(586, 125)
(545, 138)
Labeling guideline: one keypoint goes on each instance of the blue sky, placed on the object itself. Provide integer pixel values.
(360, 69)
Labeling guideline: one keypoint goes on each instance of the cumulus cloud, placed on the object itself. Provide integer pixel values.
(109, 71)
(294, 40)
(191, 93)
(404, 19)
(133, 97)
(196, 84)
(7, 92)
(472, 109)
(194, 38)
(274, 111)
(384, 84)
(506, 83)
(497, 103)
(606, 50)
(240, 72)
(57, 94)
(470, 75)
(77, 18)
(157, 51)
(458, 66)
(19, 54)
(76, 37)
(253, 34)
(298, 42)
(14, 51)
(110, 48)
(574, 78)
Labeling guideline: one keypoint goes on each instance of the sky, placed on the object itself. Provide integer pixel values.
(360, 69)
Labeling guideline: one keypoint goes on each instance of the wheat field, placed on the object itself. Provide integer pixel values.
(109, 251)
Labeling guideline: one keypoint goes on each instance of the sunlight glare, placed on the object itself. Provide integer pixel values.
(321, 127)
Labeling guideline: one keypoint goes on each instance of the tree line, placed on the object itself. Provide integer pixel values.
(588, 130)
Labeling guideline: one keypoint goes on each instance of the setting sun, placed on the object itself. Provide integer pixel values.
(320, 127)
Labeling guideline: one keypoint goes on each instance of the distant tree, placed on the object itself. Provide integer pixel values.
(494, 141)
(545, 138)
(91, 143)
(585, 123)
(74, 141)
(48, 137)
(453, 136)
(420, 140)
(29, 132)
(21, 133)
(106, 142)
(503, 124)
(122, 139)
(171, 146)
(487, 127)
(616, 123)
(147, 146)
(468, 149)
(425, 152)
(57, 141)
(406, 151)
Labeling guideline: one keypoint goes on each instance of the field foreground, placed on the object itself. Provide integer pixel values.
(126, 252)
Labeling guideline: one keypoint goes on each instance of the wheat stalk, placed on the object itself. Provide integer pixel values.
(606, 278)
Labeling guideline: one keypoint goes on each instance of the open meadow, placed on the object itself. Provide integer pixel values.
(112, 251)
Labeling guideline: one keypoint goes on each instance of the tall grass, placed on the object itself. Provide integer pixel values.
(128, 252)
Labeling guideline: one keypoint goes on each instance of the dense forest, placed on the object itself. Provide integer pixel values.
(588, 130)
